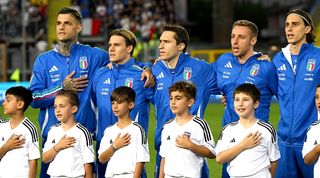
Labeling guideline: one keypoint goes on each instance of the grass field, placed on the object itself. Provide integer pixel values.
(213, 116)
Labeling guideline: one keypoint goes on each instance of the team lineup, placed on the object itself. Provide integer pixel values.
(86, 93)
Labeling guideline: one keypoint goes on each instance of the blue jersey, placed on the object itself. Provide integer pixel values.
(106, 80)
(296, 93)
(49, 71)
(230, 74)
(197, 71)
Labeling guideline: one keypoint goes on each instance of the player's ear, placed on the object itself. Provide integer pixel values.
(253, 41)
(74, 109)
(308, 29)
(131, 105)
(256, 104)
(20, 104)
(191, 102)
(181, 46)
(79, 27)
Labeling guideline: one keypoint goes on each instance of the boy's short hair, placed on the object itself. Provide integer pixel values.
(73, 98)
(21, 93)
(123, 94)
(73, 12)
(187, 88)
(248, 89)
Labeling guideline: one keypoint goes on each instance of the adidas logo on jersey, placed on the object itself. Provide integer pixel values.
(160, 76)
(2, 138)
(107, 81)
(53, 141)
(111, 141)
(283, 67)
(168, 138)
(233, 140)
(228, 65)
(315, 143)
(53, 68)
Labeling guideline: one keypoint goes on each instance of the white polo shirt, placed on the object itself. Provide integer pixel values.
(180, 162)
(312, 140)
(251, 161)
(70, 162)
(124, 160)
(15, 163)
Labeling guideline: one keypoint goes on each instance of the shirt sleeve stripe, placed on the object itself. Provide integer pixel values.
(143, 133)
(33, 130)
(270, 128)
(205, 128)
(86, 133)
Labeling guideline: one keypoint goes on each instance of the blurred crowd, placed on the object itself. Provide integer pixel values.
(143, 17)
(17, 14)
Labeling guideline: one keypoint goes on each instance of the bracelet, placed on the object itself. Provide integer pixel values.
(54, 148)
(114, 149)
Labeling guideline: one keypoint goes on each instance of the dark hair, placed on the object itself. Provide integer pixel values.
(123, 94)
(185, 87)
(129, 37)
(73, 12)
(306, 18)
(21, 93)
(248, 89)
(73, 98)
(181, 34)
(245, 23)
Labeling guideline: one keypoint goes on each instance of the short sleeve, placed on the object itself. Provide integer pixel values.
(309, 142)
(104, 144)
(163, 146)
(222, 144)
(142, 146)
(207, 140)
(50, 142)
(33, 148)
(87, 148)
(273, 148)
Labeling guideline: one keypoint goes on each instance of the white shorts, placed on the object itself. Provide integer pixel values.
(122, 176)
(264, 173)
(167, 176)
(65, 177)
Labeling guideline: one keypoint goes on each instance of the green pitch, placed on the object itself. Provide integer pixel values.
(213, 116)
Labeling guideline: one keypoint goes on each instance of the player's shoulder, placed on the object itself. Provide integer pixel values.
(230, 126)
(266, 126)
(82, 129)
(168, 123)
(4, 122)
(315, 126)
(27, 122)
(32, 129)
(46, 56)
(54, 127)
(200, 122)
(225, 56)
(140, 130)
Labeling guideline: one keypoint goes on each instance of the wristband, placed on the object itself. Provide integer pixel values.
(113, 148)
(54, 148)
